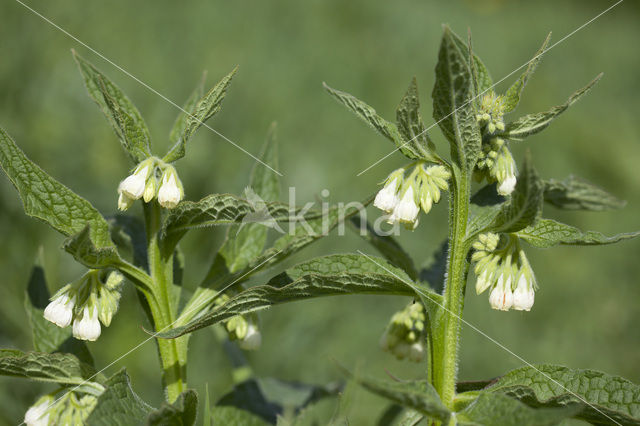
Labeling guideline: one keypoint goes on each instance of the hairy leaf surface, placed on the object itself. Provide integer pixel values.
(574, 194)
(119, 405)
(547, 233)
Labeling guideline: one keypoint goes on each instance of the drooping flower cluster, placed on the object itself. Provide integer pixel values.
(495, 162)
(92, 299)
(69, 409)
(150, 179)
(403, 197)
(503, 268)
(404, 335)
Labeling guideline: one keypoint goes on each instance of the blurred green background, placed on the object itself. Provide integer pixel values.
(587, 309)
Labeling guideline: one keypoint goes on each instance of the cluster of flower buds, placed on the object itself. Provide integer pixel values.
(92, 299)
(495, 162)
(403, 197)
(150, 179)
(502, 267)
(69, 409)
(404, 335)
(243, 329)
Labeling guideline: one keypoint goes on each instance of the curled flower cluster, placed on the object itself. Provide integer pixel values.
(150, 179)
(85, 303)
(405, 333)
(505, 271)
(404, 197)
(69, 409)
(495, 162)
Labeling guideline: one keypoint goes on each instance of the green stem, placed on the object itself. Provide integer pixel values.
(446, 369)
(172, 352)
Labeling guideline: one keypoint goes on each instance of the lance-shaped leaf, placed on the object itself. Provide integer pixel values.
(48, 337)
(245, 242)
(574, 194)
(119, 110)
(386, 245)
(533, 123)
(497, 409)
(47, 199)
(325, 276)
(418, 395)
(57, 367)
(371, 117)
(602, 398)
(204, 109)
(481, 78)
(119, 404)
(411, 127)
(188, 109)
(453, 108)
(181, 413)
(512, 95)
(547, 233)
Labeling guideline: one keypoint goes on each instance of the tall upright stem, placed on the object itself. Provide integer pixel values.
(172, 352)
(446, 369)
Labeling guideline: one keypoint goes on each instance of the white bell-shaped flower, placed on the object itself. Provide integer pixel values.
(252, 340)
(416, 352)
(38, 414)
(60, 310)
(501, 296)
(87, 327)
(170, 192)
(524, 294)
(133, 186)
(406, 210)
(387, 197)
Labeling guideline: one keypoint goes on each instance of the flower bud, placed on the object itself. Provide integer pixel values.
(124, 202)
(252, 340)
(150, 189)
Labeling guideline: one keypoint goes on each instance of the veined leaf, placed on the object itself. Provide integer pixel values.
(602, 398)
(501, 410)
(482, 81)
(386, 245)
(574, 194)
(512, 95)
(47, 199)
(246, 241)
(188, 109)
(119, 404)
(119, 110)
(325, 276)
(418, 395)
(533, 123)
(371, 117)
(181, 413)
(48, 337)
(232, 416)
(547, 233)
(204, 109)
(453, 108)
(85, 251)
(410, 125)
(57, 367)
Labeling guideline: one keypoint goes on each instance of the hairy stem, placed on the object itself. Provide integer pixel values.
(446, 368)
(163, 306)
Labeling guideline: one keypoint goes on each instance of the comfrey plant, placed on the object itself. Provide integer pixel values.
(489, 229)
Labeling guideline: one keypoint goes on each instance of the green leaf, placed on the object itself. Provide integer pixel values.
(57, 367)
(371, 117)
(181, 413)
(419, 395)
(482, 81)
(453, 108)
(48, 337)
(245, 242)
(204, 109)
(574, 194)
(188, 109)
(324, 276)
(500, 410)
(525, 204)
(223, 209)
(232, 416)
(386, 245)
(512, 95)
(85, 251)
(411, 127)
(603, 399)
(119, 405)
(128, 234)
(547, 233)
(119, 110)
(533, 123)
(47, 199)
